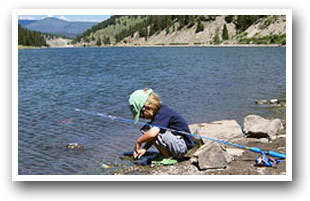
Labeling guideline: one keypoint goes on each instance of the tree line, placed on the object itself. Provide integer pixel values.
(30, 38)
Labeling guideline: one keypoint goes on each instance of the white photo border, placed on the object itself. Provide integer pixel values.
(289, 167)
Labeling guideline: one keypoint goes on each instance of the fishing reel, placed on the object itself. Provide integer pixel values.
(263, 161)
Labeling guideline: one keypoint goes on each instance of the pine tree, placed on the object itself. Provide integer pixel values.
(225, 35)
(200, 27)
(99, 42)
(216, 38)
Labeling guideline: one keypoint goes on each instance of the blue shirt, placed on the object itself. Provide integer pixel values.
(166, 117)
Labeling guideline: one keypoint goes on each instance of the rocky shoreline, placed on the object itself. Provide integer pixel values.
(243, 164)
(213, 158)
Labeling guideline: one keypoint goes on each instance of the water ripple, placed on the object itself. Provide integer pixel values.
(202, 84)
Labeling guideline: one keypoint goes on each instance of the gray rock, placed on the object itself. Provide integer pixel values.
(235, 151)
(259, 127)
(212, 156)
(223, 130)
(271, 101)
(273, 137)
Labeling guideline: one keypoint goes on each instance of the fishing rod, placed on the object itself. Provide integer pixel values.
(124, 120)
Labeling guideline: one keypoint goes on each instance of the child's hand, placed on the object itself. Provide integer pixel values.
(135, 151)
(139, 153)
(135, 155)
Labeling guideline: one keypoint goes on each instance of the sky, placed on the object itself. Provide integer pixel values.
(87, 18)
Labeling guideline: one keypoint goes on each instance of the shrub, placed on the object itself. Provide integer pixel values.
(244, 21)
(99, 42)
(229, 18)
(267, 21)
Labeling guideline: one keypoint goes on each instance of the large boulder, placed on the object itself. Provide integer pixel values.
(227, 130)
(212, 155)
(258, 127)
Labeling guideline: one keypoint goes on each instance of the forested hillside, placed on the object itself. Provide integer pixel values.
(186, 29)
(30, 38)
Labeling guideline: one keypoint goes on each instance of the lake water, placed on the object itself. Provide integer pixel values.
(202, 84)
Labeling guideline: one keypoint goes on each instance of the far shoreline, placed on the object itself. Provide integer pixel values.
(112, 46)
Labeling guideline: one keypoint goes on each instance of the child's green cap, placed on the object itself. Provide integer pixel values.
(137, 100)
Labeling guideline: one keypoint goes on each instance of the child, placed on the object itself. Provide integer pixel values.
(146, 104)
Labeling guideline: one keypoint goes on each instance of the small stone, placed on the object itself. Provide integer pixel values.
(74, 146)
(264, 140)
(261, 171)
(261, 102)
(281, 148)
(274, 101)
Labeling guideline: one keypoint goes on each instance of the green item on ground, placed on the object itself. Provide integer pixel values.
(165, 161)
(136, 102)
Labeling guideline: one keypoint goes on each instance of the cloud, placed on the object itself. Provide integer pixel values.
(47, 16)
(64, 18)
(25, 17)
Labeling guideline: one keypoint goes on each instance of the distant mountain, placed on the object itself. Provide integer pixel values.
(26, 22)
(60, 27)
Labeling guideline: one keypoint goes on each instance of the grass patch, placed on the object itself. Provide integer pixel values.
(178, 43)
(30, 47)
(159, 44)
(241, 35)
(267, 40)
